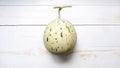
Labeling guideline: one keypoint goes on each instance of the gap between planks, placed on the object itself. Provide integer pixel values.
(73, 4)
(73, 25)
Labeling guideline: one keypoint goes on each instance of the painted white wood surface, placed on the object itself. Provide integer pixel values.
(97, 47)
(22, 23)
(63, 2)
(13, 15)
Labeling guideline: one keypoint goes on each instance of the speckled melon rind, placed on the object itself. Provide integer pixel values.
(59, 36)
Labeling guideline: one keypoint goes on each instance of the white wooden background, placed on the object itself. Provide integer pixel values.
(22, 23)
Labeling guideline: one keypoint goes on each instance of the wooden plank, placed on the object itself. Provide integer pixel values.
(28, 37)
(42, 15)
(57, 2)
(97, 47)
(78, 60)
(75, 60)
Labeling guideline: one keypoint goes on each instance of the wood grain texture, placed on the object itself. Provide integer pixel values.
(22, 37)
(22, 24)
(97, 47)
(58, 2)
(42, 15)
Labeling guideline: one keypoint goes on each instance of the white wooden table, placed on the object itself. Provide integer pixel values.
(22, 23)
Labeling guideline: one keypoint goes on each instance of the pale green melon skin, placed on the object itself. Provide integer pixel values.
(59, 36)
